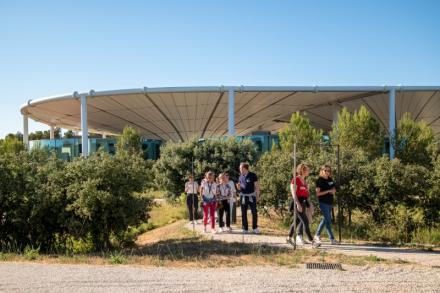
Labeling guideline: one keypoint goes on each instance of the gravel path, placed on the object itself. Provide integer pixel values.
(28, 277)
(428, 258)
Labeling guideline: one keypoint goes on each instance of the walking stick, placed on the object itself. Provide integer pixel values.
(294, 197)
(193, 199)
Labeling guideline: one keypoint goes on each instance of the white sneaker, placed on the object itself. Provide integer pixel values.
(229, 229)
(204, 230)
(316, 244)
(299, 240)
(333, 242)
(245, 232)
(256, 231)
(307, 241)
(221, 230)
(213, 231)
(317, 239)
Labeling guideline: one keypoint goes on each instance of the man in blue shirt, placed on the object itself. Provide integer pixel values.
(249, 195)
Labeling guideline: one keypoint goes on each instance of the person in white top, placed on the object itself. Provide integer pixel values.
(208, 191)
(233, 199)
(225, 196)
(192, 199)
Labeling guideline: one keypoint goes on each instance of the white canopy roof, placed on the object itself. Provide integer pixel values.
(181, 113)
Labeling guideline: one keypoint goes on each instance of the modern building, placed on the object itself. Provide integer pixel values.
(181, 113)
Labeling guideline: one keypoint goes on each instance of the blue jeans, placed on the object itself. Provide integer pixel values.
(326, 210)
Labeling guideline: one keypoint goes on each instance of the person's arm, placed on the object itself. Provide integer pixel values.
(321, 193)
(257, 190)
(295, 198)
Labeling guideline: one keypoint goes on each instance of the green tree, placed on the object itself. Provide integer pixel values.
(358, 130)
(275, 172)
(11, 144)
(130, 141)
(414, 141)
(299, 131)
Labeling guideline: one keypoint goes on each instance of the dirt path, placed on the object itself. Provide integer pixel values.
(428, 258)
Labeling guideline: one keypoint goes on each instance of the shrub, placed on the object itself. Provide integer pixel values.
(49, 203)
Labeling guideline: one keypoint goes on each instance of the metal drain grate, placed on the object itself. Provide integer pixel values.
(324, 266)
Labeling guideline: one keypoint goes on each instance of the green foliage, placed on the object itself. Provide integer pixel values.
(49, 203)
(117, 258)
(301, 131)
(358, 130)
(31, 253)
(11, 144)
(175, 162)
(433, 195)
(414, 141)
(37, 135)
(275, 172)
(104, 195)
(130, 141)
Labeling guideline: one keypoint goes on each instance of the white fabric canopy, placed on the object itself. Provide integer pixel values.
(183, 113)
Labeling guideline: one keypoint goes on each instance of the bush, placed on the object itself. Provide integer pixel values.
(174, 164)
(275, 172)
(48, 203)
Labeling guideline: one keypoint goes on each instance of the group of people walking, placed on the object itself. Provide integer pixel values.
(325, 192)
(219, 194)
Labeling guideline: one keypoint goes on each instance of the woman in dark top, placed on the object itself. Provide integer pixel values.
(301, 199)
(325, 191)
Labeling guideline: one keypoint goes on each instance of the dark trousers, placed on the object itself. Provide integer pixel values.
(192, 202)
(225, 209)
(245, 203)
(301, 222)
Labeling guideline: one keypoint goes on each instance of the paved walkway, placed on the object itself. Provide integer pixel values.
(429, 258)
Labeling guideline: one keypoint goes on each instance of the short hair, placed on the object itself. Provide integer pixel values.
(244, 165)
(301, 169)
(209, 173)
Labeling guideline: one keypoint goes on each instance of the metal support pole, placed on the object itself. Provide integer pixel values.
(231, 110)
(192, 194)
(294, 197)
(26, 131)
(338, 197)
(84, 127)
(52, 132)
(392, 122)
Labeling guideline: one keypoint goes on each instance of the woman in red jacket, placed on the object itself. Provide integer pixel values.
(302, 201)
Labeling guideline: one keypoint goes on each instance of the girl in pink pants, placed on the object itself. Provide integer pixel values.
(209, 190)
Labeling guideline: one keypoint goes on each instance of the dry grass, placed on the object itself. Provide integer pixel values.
(171, 244)
(175, 246)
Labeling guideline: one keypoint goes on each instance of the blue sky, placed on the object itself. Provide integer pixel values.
(53, 47)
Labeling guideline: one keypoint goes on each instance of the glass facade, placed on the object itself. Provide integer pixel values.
(69, 148)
